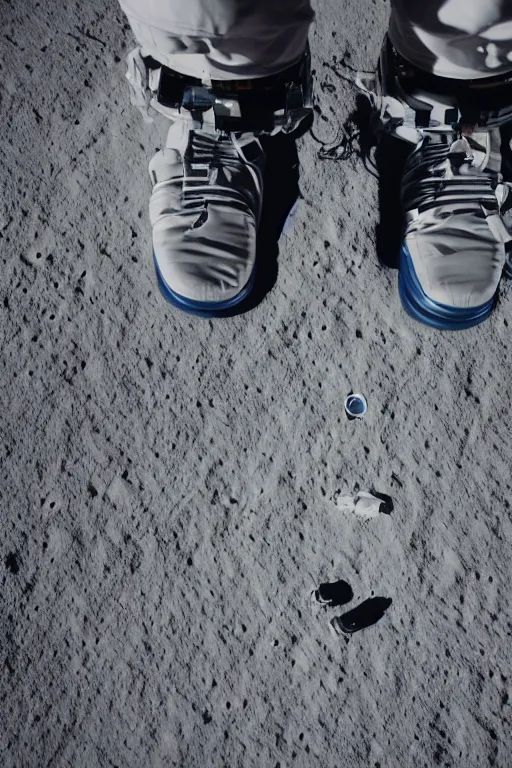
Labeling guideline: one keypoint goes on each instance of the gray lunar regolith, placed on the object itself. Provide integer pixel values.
(168, 483)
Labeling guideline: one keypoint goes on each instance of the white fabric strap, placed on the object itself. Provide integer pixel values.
(497, 227)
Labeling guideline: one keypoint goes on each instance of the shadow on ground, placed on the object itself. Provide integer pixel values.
(366, 614)
(387, 163)
(281, 190)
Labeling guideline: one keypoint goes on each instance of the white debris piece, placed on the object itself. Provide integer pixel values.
(363, 504)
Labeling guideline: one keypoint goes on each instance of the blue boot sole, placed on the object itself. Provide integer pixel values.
(429, 312)
(204, 308)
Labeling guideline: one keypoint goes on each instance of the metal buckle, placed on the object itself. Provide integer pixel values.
(197, 98)
(243, 106)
